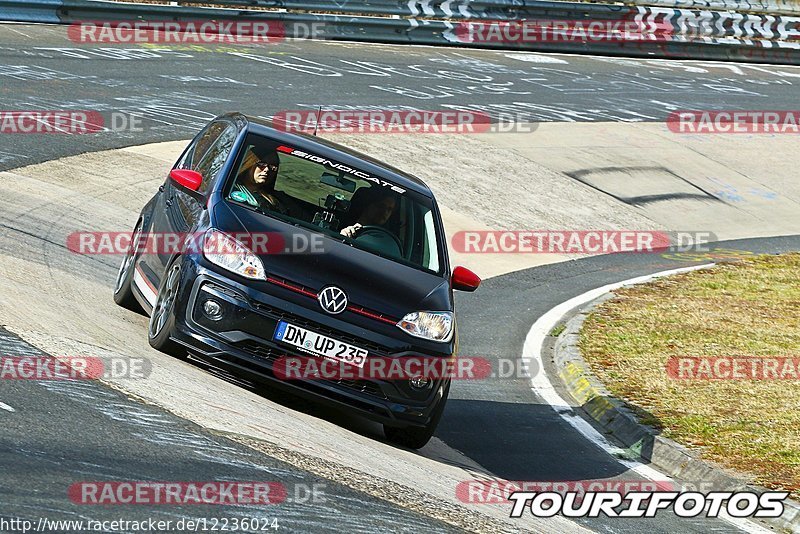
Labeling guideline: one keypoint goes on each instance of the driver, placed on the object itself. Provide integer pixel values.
(374, 208)
(256, 183)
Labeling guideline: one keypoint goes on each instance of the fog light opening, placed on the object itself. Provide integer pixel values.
(420, 382)
(213, 310)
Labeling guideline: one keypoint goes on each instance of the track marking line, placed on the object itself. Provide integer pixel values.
(6, 407)
(17, 31)
(543, 387)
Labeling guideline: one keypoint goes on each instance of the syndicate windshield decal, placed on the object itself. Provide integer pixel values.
(340, 167)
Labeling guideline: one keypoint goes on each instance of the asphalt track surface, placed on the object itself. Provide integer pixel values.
(77, 431)
(523, 440)
(175, 90)
(71, 431)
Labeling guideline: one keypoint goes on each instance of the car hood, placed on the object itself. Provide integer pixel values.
(370, 281)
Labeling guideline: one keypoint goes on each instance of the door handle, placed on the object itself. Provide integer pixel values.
(168, 202)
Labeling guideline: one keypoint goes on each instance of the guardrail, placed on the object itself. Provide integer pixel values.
(664, 32)
(492, 9)
(769, 7)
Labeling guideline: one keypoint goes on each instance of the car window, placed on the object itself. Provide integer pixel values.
(197, 150)
(292, 180)
(206, 140)
(215, 157)
(216, 154)
(345, 203)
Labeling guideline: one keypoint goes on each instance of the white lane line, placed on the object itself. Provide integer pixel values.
(541, 385)
(535, 58)
(6, 407)
(17, 31)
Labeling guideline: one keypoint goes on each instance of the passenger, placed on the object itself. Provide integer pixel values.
(256, 183)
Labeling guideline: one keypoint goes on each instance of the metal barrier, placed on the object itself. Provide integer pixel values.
(671, 33)
(769, 7)
(30, 10)
(492, 9)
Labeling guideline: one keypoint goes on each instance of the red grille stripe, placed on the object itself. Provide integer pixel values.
(308, 293)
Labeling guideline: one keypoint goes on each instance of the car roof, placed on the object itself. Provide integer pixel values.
(334, 151)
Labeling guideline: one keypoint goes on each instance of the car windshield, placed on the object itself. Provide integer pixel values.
(340, 201)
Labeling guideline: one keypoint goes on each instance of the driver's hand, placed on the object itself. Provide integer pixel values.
(351, 231)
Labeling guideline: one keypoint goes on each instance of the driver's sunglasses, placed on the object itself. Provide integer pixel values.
(267, 165)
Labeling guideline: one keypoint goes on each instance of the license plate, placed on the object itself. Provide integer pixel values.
(319, 345)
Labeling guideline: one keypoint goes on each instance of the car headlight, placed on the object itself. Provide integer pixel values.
(436, 326)
(224, 251)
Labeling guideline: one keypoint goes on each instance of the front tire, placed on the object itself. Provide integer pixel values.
(162, 320)
(123, 291)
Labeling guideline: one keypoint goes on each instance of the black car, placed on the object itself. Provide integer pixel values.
(264, 245)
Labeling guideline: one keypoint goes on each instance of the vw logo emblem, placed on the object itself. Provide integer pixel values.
(332, 300)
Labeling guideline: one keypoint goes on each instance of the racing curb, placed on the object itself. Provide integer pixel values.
(641, 441)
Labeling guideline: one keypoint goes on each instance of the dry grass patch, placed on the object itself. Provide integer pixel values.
(751, 308)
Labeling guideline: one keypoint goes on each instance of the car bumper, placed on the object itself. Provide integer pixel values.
(242, 343)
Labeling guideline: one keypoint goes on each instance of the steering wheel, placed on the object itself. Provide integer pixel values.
(379, 232)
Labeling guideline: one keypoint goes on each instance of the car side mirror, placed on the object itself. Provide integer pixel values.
(189, 182)
(465, 280)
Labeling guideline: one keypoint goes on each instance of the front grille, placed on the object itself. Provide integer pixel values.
(264, 352)
(281, 315)
(308, 292)
(269, 354)
(364, 386)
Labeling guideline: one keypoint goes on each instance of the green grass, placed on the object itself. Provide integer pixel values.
(750, 308)
(558, 329)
